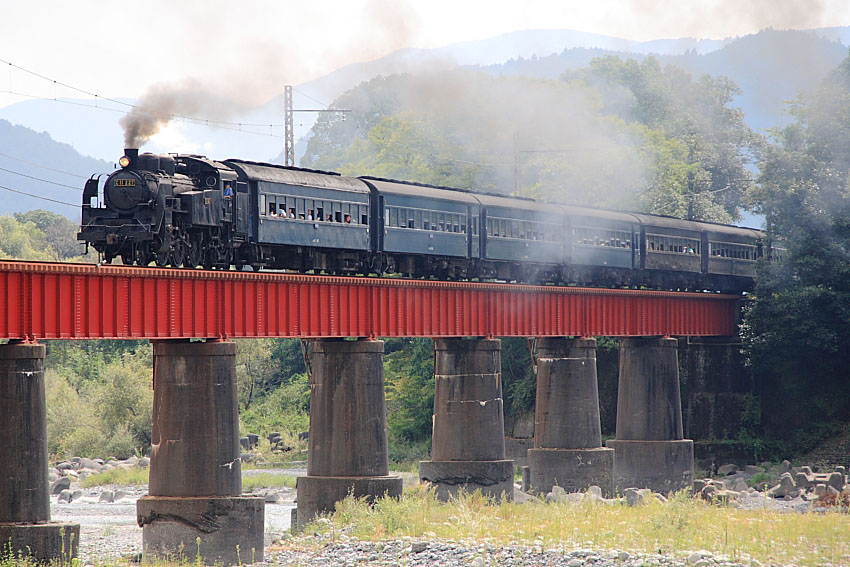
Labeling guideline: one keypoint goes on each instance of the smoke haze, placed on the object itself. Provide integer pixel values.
(253, 70)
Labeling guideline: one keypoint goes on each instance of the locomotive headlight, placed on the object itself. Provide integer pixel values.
(124, 161)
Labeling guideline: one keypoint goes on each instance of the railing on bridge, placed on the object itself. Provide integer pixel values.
(87, 301)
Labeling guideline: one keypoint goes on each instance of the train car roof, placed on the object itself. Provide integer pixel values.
(418, 190)
(297, 176)
(577, 210)
(489, 200)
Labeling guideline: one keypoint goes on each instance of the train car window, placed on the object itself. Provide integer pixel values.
(417, 219)
(272, 206)
(299, 208)
(475, 226)
(463, 224)
(263, 204)
(320, 213)
(281, 210)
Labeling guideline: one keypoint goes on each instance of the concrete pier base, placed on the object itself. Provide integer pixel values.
(649, 450)
(492, 478)
(230, 529)
(195, 472)
(568, 449)
(468, 448)
(25, 526)
(662, 466)
(347, 445)
(574, 470)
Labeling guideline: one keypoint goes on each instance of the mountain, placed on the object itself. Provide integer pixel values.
(771, 67)
(34, 163)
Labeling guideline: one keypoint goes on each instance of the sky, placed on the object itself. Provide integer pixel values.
(119, 49)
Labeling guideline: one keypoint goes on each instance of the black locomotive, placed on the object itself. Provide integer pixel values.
(186, 210)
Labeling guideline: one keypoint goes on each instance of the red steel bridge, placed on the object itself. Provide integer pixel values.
(86, 301)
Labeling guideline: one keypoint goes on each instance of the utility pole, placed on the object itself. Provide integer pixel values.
(289, 135)
(289, 126)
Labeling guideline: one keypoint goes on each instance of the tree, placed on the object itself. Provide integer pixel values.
(797, 327)
(60, 234)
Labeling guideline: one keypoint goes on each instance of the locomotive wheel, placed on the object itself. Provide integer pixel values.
(178, 252)
(162, 260)
(194, 254)
(127, 258)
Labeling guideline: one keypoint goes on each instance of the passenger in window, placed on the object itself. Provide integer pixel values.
(271, 210)
(292, 212)
(282, 212)
(329, 218)
(347, 219)
(309, 214)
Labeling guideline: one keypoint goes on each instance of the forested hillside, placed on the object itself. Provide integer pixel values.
(618, 134)
(36, 172)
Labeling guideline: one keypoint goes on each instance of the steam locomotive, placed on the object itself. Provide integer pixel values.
(190, 211)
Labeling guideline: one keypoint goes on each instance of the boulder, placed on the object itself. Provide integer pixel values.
(60, 484)
(76, 495)
(65, 496)
(253, 439)
(699, 484)
(243, 442)
(119, 494)
(89, 464)
(785, 467)
(786, 487)
(753, 469)
(820, 490)
(726, 470)
(558, 494)
(740, 485)
(836, 480)
(803, 479)
(143, 463)
(64, 466)
(637, 496)
(106, 496)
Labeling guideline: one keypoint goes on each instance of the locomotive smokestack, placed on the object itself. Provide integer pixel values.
(133, 155)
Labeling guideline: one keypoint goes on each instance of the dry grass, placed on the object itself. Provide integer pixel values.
(123, 477)
(679, 526)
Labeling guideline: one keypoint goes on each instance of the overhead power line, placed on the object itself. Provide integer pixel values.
(18, 191)
(43, 166)
(40, 179)
(228, 125)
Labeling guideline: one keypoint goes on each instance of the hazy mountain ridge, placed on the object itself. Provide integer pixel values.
(39, 148)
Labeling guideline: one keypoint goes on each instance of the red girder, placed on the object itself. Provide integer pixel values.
(86, 301)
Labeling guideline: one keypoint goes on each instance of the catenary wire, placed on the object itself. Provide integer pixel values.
(42, 166)
(38, 196)
(40, 179)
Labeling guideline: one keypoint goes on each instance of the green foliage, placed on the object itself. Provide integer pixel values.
(409, 377)
(797, 327)
(106, 414)
(60, 234)
(134, 476)
(284, 409)
(519, 382)
(618, 134)
(266, 480)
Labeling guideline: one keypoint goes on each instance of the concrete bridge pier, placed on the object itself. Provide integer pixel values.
(347, 447)
(468, 447)
(25, 526)
(568, 449)
(649, 451)
(195, 504)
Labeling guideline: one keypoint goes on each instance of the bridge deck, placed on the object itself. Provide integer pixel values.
(87, 301)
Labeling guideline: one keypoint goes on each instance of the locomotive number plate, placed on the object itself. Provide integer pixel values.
(125, 182)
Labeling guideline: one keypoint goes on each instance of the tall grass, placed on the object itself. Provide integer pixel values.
(267, 480)
(678, 526)
(124, 477)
